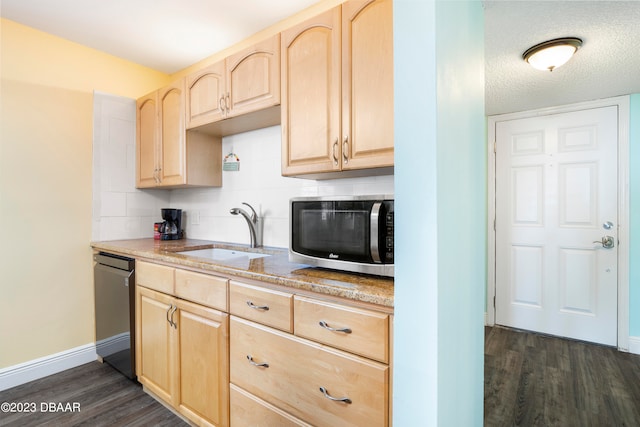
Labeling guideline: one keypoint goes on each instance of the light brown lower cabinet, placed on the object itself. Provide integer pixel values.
(224, 352)
(183, 356)
(248, 410)
(312, 382)
(156, 350)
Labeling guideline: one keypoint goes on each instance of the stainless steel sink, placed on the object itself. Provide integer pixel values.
(220, 254)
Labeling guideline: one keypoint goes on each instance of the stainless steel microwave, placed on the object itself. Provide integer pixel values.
(352, 233)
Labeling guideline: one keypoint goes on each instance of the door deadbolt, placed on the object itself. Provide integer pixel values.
(606, 242)
(607, 225)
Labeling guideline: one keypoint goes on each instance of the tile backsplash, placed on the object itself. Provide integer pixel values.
(120, 211)
(259, 183)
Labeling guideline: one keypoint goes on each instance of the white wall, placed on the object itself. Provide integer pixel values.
(259, 183)
(120, 211)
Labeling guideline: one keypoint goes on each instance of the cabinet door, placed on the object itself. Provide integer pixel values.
(203, 364)
(311, 95)
(154, 340)
(367, 84)
(253, 77)
(147, 136)
(172, 134)
(206, 93)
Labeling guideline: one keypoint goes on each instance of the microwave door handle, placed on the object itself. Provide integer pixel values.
(375, 228)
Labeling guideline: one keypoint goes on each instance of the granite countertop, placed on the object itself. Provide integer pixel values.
(275, 269)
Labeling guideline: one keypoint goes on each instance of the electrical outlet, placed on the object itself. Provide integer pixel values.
(195, 217)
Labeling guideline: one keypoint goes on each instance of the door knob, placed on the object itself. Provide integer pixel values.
(606, 242)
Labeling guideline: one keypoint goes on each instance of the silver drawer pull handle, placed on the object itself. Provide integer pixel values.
(335, 399)
(175, 325)
(258, 307)
(329, 328)
(259, 365)
(168, 312)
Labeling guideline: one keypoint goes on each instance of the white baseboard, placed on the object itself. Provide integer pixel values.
(113, 344)
(45, 366)
(488, 321)
(634, 345)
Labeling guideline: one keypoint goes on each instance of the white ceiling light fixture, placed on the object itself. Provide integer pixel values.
(549, 55)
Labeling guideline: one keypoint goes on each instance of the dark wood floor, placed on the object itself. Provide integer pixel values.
(104, 396)
(537, 380)
(530, 380)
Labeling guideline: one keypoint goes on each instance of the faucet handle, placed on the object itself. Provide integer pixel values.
(254, 215)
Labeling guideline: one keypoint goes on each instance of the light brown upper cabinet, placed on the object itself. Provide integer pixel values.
(147, 141)
(253, 78)
(337, 92)
(245, 82)
(206, 94)
(167, 155)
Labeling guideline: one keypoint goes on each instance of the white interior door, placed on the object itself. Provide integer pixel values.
(556, 200)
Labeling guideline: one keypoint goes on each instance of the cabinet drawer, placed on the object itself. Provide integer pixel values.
(266, 306)
(202, 289)
(249, 411)
(154, 276)
(367, 335)
(297, 371)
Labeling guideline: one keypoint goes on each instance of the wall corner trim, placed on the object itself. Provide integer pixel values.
(634, 345)
(38, 368)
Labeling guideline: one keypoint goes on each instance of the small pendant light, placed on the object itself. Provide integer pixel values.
(551, 54)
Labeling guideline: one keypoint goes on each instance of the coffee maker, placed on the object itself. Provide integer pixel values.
(171, 228)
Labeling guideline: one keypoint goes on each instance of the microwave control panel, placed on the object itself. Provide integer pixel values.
(388, 251)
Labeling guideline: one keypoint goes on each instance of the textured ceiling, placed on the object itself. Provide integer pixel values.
(608, 64)
(169, 35)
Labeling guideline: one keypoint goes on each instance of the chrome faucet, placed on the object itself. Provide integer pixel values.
(254, 222)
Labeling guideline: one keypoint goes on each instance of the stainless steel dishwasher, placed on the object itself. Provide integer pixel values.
(114, 280)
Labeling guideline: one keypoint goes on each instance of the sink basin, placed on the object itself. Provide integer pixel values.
(220, 254)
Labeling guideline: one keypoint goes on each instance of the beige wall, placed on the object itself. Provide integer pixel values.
(46, 282)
